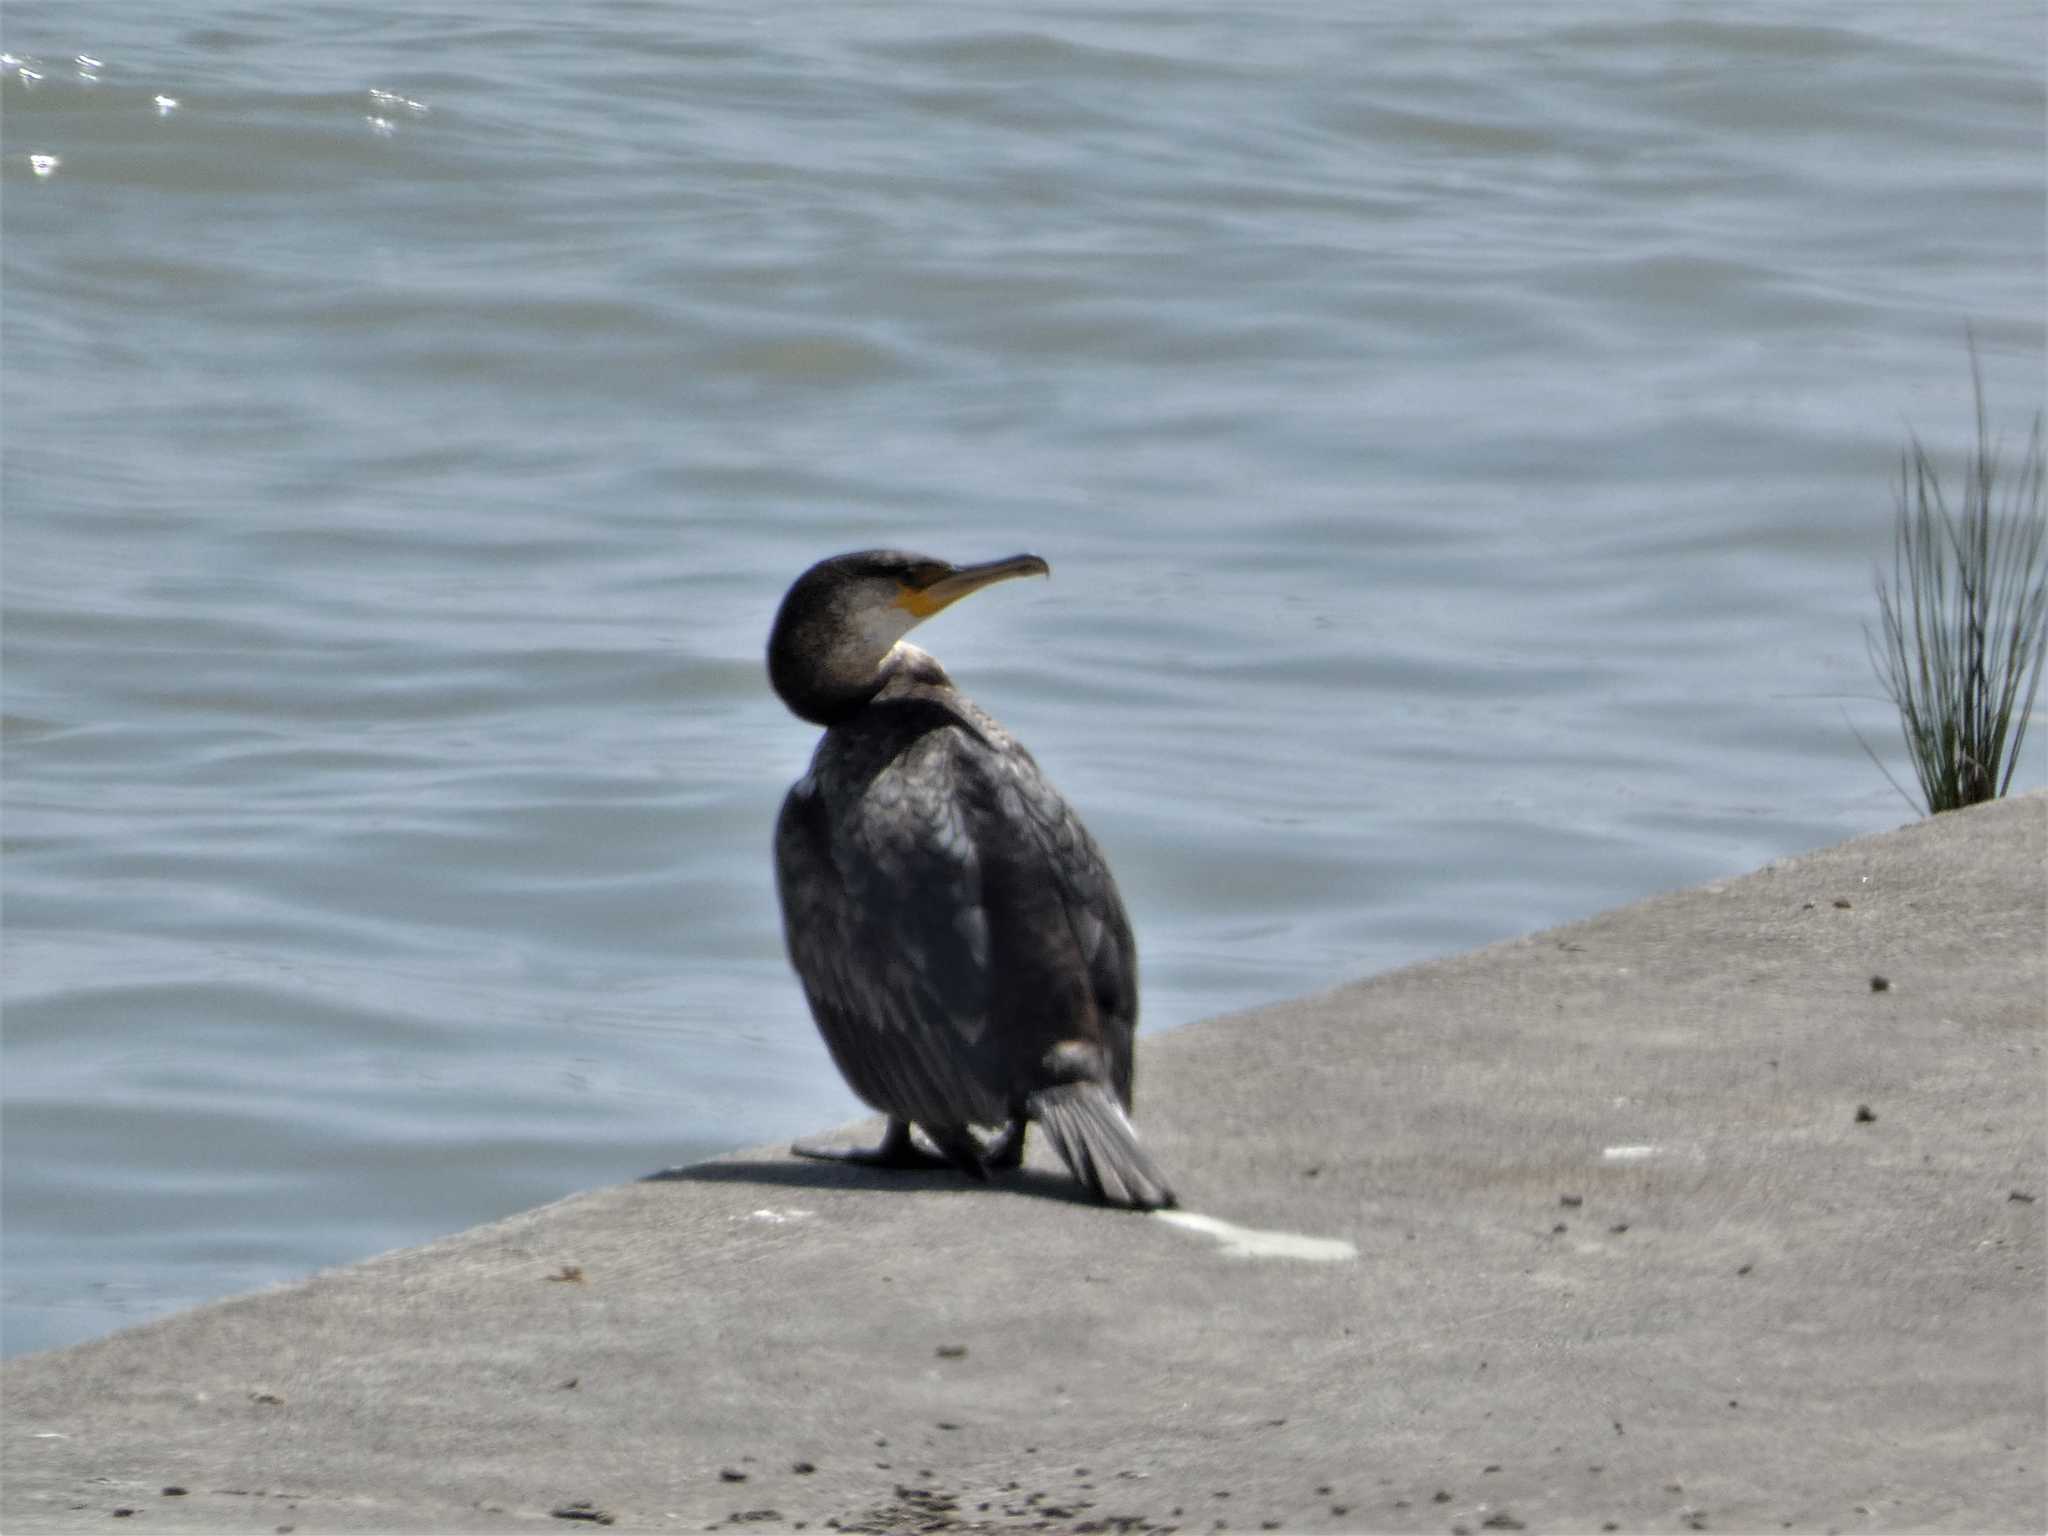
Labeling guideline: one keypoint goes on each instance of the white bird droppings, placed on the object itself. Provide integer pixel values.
(1250, 1243)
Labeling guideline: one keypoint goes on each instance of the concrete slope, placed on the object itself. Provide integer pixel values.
(1667, 1220)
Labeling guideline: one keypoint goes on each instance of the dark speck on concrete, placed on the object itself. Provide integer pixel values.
(731, 1475)
(950, 1351)
(1571, 1200)
(1865, 1114)
(173, 1491)
(2022, 1196)
(1880, 984)
(802, 1468)
(1441, 1496)
(1501, 1520)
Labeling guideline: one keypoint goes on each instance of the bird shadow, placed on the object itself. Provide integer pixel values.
(1030, 1182)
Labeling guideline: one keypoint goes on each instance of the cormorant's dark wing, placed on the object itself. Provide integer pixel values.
(1090, 916)
(1068, 979)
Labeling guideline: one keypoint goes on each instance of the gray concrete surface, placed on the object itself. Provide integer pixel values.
(1627, 1258)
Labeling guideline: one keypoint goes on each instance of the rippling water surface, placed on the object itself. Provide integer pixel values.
(1460, 436)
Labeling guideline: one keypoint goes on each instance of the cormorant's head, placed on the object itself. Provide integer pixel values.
(837, 625)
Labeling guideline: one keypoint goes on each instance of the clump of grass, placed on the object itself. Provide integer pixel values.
(1964, 616)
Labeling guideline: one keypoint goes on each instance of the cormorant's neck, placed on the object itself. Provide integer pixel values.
(831, 689)
(817, 690)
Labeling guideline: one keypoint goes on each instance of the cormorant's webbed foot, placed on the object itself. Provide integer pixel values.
(1007, 1150)
(958, 1149)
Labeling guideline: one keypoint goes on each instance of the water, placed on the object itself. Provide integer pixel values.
(1460, 437)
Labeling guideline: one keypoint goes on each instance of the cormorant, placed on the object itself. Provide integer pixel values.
(956, 929)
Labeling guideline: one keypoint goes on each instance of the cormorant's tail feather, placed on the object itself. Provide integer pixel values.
(1094, 1137)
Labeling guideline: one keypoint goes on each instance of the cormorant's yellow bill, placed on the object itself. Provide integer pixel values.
(952, 583)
